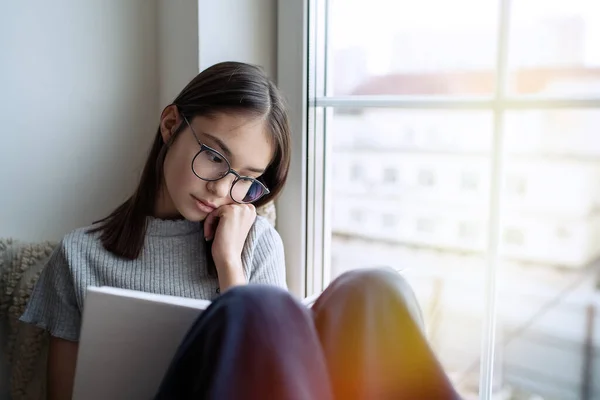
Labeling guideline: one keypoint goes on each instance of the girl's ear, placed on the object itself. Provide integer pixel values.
(170, 119)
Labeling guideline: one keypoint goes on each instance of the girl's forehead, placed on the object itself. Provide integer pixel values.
(231, 126)
(229, 120)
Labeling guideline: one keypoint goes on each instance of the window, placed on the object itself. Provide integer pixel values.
(495, 130)
(467, 230)
(357, 216)
(563, 233)
(513, 236)
(426, 178)
(515, 185)
(357, 173)
(389, 221)
(425, 225)
(469, 181)
(390, 175)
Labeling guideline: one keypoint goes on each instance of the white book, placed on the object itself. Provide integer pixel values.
(128, 340)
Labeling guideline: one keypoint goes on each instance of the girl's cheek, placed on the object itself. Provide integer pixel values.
(177, 175)
(182, 173)
(191, 181)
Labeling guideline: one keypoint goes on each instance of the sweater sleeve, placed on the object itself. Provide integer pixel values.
(53, 304)
(263, 255)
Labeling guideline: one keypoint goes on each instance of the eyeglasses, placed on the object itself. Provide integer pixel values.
(210, 165)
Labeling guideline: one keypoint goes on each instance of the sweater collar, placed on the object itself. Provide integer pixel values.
(176, 227)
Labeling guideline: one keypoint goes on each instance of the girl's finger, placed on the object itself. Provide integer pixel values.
(210, 224)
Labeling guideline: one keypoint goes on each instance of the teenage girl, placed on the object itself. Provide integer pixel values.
(190, 229)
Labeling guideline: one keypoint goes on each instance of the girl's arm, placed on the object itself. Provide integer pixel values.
(53, 307)
(62, 356)
(230, 274)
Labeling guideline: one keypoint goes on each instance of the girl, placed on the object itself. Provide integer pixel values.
(190, 229)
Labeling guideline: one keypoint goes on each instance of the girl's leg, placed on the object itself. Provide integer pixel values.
(371, 330)
(253, 342)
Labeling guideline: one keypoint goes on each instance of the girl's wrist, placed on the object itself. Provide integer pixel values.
(231, 273)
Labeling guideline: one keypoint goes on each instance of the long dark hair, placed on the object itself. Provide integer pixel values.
(224, 87)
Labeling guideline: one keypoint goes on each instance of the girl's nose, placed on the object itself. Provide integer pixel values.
(221, 187)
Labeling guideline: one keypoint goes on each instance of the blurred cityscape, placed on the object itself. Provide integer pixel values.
(411, 189)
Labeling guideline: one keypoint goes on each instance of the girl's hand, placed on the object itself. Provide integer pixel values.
(228, 228)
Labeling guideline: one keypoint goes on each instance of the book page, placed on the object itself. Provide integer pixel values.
(162, 298)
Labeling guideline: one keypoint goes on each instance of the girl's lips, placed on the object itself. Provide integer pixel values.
(204, 206)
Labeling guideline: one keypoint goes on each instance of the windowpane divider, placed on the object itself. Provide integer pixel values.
(459, 103)
(489, 356)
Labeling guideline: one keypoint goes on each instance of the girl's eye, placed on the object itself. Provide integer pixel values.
(215, 158)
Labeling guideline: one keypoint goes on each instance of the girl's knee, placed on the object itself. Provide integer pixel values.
(377, 278)
(367, 284)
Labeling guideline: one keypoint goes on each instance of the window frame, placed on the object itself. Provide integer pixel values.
(306, 226)
(292, 77)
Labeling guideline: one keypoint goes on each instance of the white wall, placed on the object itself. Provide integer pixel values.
(78, 109)
(177, 24)
(239, 30)
(78, 103)
(195, 34)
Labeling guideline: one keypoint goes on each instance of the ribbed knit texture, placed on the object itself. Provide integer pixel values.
(172, 262)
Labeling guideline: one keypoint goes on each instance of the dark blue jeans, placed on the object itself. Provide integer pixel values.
(362, 339)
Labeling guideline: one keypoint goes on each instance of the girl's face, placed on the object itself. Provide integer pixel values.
(244, 141)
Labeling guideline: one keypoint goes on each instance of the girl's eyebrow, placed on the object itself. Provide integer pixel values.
(221, 144)
(228, 152)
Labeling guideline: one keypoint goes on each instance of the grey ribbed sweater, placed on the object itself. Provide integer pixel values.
(172, 262)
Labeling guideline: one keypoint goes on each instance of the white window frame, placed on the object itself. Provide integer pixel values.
(302, 218)
(292, 76)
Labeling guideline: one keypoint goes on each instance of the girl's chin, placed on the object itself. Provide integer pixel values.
(194, 215)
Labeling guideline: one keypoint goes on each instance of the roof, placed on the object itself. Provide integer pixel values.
(526, 81)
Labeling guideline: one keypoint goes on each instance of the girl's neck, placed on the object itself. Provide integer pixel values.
(164, 208)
